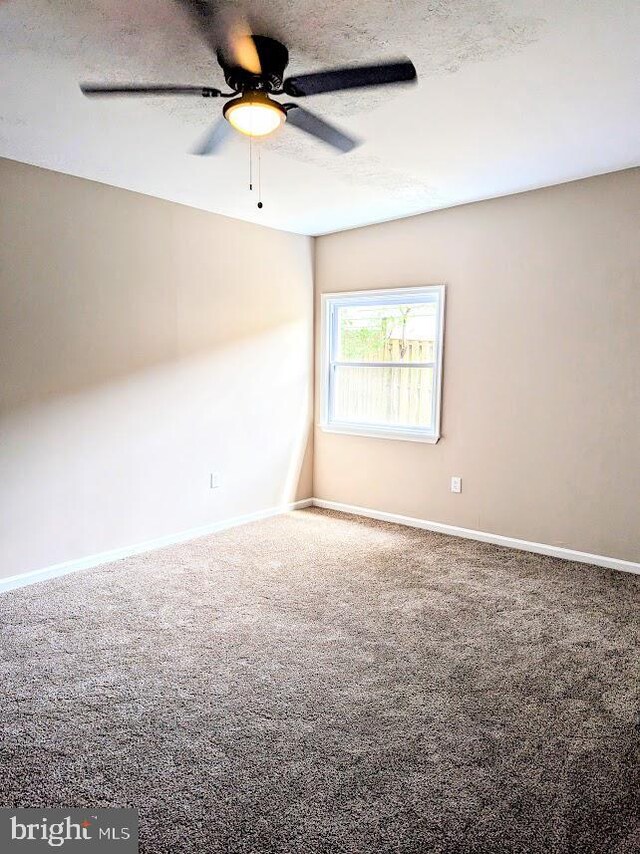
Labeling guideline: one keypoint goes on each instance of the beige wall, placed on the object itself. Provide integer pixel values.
(143, 345)
(541, 401)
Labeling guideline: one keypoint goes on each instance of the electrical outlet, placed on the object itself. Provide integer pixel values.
(456, 484)
(215, 480)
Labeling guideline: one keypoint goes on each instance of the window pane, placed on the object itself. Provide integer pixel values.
(386, 333)
(398, 397)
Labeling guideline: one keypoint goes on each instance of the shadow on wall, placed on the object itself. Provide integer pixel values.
(97, 283)
(143, 346)
(131, 460)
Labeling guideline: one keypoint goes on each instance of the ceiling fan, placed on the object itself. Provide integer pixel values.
(254, 67)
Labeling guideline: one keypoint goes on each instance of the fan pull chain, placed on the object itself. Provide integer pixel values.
(259, 169)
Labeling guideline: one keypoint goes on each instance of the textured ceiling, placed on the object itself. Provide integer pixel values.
(513, 94)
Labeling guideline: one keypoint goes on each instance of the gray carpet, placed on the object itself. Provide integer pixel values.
(318, 683)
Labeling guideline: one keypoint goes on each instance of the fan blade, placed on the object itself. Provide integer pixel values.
(92, 90)
(237, 44)
(214, 138)
(350, 78)
(315, 126)
(226, 30)
(204, 15)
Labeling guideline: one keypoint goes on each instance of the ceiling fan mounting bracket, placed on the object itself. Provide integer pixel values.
(274, 58)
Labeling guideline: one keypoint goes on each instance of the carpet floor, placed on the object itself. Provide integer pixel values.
(321, 683)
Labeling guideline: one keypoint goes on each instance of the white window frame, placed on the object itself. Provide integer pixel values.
(333, 301)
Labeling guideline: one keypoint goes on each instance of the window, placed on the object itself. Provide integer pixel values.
(382, 363)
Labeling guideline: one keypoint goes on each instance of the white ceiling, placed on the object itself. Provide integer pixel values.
(513, 94)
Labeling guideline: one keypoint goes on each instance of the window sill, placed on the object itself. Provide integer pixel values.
(380, 433)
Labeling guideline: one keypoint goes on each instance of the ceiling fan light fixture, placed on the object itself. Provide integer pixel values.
(255, 114)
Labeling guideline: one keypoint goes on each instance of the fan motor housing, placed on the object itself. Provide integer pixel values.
(274, 58)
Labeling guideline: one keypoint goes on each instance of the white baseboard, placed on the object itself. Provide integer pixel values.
(483, 536)
(158, 543)
(191, 534)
